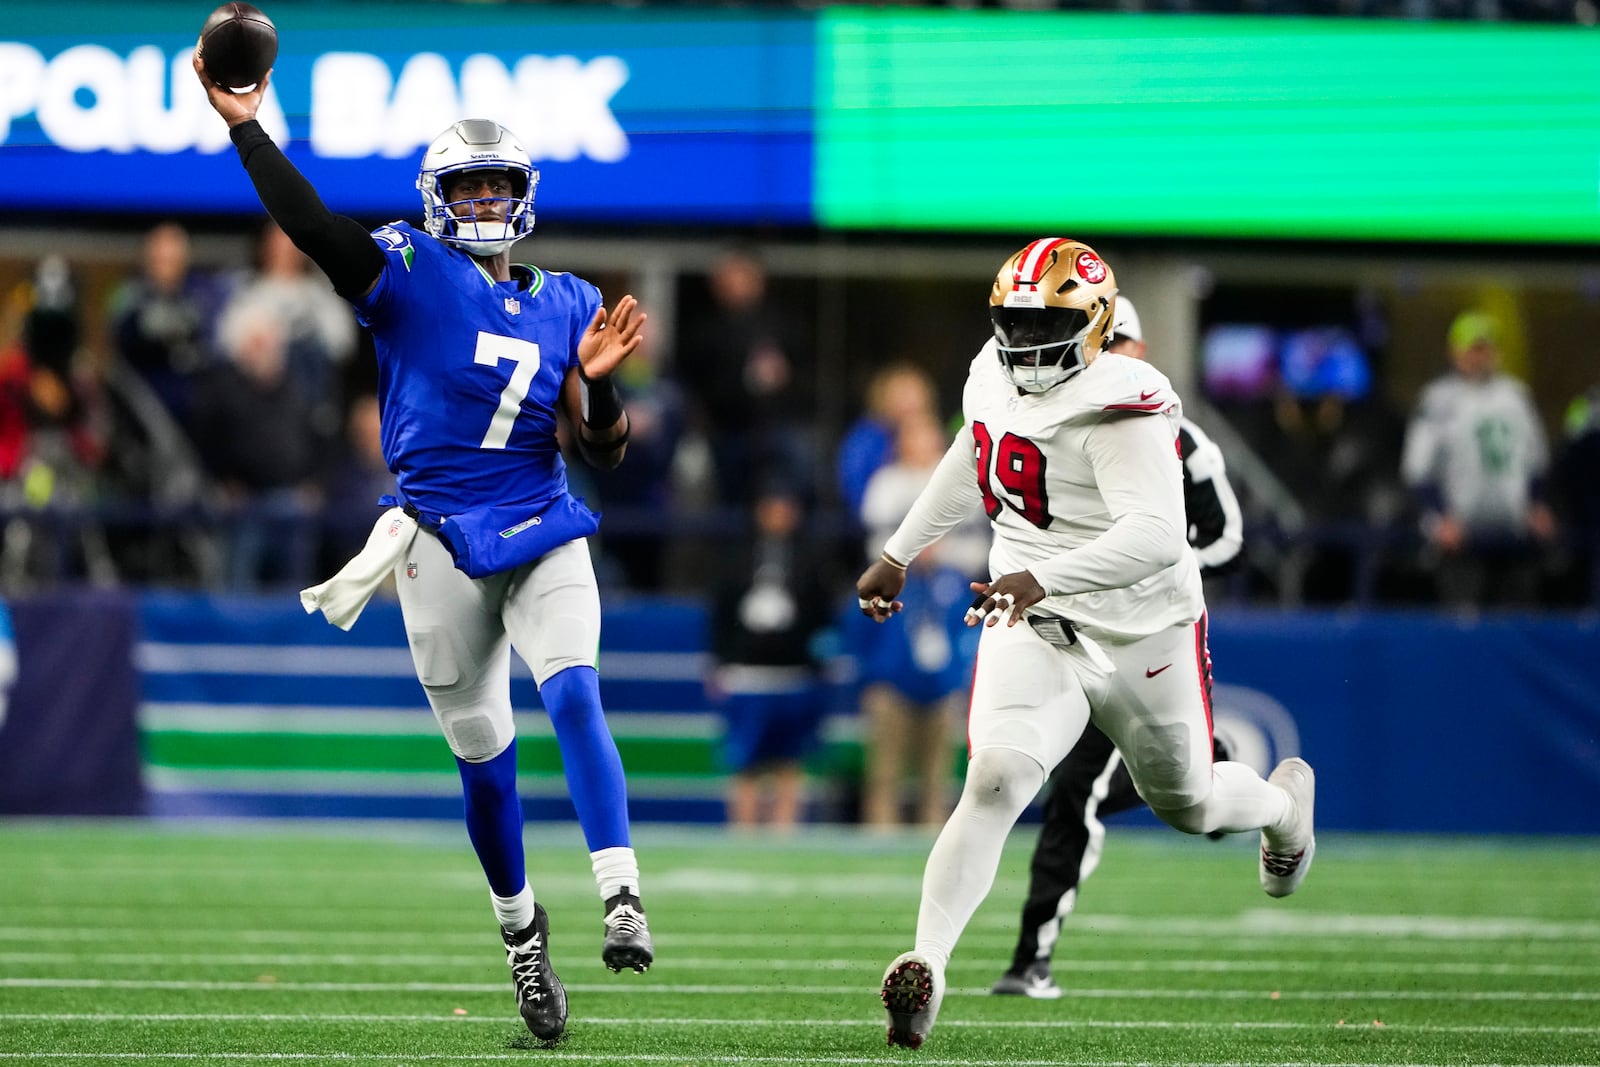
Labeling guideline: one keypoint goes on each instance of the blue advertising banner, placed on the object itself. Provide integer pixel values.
(632, 115)
(1422, 723)
(1414, 723)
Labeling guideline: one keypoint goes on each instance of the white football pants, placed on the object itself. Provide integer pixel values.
(1030, 702)
(461, 631)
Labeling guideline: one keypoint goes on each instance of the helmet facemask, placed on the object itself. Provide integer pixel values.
(470, 146)
(1052, 312)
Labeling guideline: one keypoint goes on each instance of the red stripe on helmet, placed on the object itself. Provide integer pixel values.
(1030, 260)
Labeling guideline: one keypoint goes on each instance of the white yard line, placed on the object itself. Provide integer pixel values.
(675, 1058)
(1376, 932)
(629, 988)
(680, 1021)
(100, 960)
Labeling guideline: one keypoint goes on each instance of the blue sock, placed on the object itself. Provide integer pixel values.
(589, 755)
(494, 819)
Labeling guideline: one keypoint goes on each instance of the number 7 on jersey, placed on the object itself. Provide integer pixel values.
(492, 348)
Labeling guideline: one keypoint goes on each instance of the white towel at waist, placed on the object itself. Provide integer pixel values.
(342, 597)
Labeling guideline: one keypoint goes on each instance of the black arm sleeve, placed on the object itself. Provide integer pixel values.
(339, 245)
(1209, 516)
(1206, 517)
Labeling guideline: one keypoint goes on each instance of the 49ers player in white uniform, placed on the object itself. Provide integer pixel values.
(1097, 610)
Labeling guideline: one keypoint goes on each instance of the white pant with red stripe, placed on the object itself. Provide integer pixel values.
(1150, 696)
(1030, 701)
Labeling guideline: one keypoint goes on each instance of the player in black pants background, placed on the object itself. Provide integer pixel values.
(1091, 781)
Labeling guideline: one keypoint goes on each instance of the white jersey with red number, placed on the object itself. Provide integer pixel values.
(1083, 485)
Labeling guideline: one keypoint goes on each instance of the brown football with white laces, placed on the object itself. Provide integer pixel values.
(238, 45)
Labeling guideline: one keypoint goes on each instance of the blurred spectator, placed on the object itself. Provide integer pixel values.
(151, 483)
(1580, 471)
(320, 327)
(769, 616)
(914, 675)
(50, 445)
(742, 366)
(1332, 440)
(1476, 457)
(163, 319)
(895, 394)
(354, 483)
(639, 491)
(262, 443)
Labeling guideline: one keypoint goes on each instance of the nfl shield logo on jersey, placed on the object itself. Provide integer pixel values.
(411, 569)
(513, 306)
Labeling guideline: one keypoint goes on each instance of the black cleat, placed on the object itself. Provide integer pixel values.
(541, 999)
(1032, 981)
(627, 941)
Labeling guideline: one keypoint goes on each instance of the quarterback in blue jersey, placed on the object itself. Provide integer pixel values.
(476, 356)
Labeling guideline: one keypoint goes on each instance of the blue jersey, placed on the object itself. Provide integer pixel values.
(469, 373)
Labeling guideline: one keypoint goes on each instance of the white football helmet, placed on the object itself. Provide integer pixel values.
(1127, 324)
(477, 144)
(1052, 307)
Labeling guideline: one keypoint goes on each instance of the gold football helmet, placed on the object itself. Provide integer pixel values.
(1053, 306)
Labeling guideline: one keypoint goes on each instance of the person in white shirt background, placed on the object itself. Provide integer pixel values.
(1477, 460)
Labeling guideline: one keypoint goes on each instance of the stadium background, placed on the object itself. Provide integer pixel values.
(882, 160)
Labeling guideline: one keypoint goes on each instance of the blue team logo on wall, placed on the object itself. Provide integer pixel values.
(1258, 730)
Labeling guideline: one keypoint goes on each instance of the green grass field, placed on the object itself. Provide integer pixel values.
(355, 944)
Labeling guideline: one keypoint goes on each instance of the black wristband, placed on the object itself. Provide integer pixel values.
(602, 405)
(603, 447)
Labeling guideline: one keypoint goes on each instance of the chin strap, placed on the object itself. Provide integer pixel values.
(465, 234)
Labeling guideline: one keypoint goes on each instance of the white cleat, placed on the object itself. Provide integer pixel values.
(912, 991)
(1286, 851)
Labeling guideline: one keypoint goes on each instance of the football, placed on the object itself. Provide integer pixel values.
(238, 45)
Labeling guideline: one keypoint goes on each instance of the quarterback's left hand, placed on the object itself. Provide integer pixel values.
(1005, 597)
(612, 338)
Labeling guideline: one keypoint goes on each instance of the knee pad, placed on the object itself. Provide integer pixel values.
(473, 726)
(1160, 761)
(1002, 779)
(473, 734)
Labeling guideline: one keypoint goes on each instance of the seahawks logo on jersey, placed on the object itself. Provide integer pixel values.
(395, 241)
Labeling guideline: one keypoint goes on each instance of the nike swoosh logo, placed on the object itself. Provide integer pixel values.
(1146, 396)
(1148, 673)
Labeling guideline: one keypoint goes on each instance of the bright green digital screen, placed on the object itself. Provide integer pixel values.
(1198, 125)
